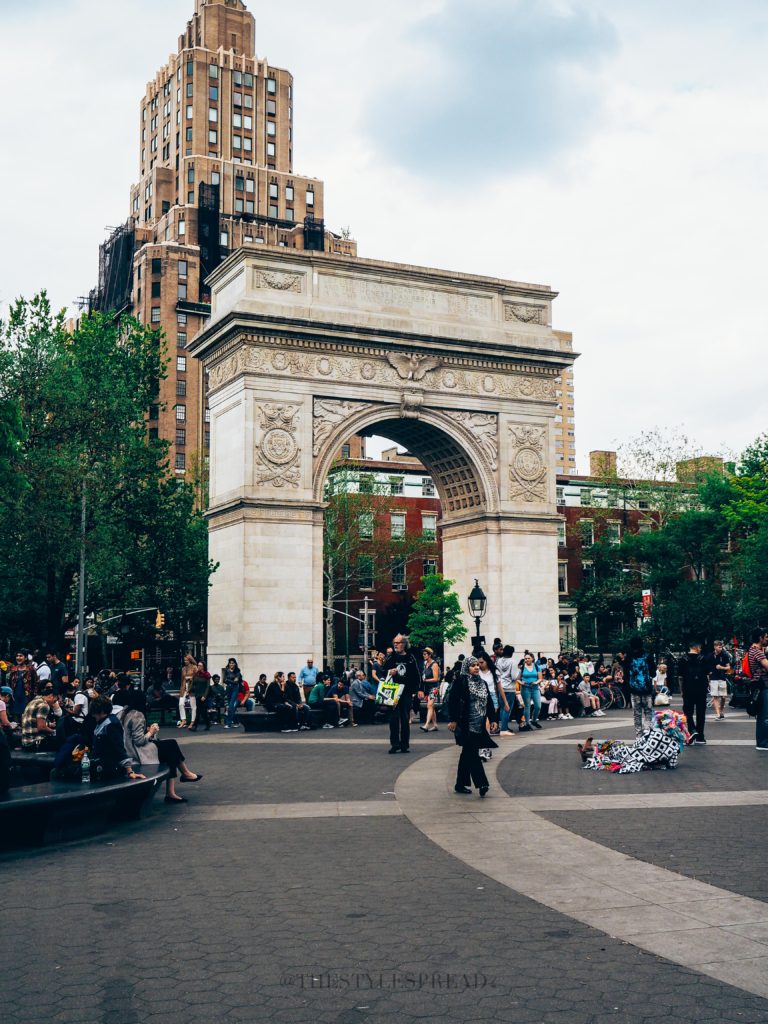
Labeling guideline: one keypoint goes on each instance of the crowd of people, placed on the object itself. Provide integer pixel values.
(486, 695)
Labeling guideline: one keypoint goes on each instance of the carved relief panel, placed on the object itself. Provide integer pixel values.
(528, 470)
(278, 454)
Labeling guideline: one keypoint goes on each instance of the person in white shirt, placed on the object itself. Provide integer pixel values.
(508, 673)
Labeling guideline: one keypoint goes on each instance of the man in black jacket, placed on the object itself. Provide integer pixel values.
(402, 667)
(695, 685)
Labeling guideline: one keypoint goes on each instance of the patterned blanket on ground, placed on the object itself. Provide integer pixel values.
(659, 748)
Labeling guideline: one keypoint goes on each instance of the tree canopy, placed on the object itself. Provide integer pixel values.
(436, 617)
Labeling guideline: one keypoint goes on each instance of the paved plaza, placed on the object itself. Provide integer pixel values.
(317, 879)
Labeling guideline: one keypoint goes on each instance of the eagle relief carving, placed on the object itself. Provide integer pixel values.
(413, 367)
(279, 453)
(527, 463)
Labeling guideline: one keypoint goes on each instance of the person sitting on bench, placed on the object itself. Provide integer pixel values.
(363, 696)
(277, 702)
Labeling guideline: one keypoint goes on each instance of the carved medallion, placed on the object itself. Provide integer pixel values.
(527, 463)
(279, 452)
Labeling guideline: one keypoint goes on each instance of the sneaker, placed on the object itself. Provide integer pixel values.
(328, 726)
(758, 747)
(536, 725)
(284, 731)
(504, 732)
(343, 721)
(227, 726)
(700, 741)
(561, 718)
(304, 728)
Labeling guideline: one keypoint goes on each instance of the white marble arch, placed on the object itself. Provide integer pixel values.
(304, 350)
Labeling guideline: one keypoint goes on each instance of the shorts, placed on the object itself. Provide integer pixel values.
(718, 688)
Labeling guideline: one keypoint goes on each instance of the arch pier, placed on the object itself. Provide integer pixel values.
(305, 349)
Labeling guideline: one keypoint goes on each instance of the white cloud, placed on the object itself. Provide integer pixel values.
(647, 214)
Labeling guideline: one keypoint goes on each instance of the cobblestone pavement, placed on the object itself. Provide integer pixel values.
(335, 921)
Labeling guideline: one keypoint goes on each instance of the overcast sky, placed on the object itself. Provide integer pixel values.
(613, 149)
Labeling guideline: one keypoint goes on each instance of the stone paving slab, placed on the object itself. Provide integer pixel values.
(329, 921)
(724, 846)
(548, 769)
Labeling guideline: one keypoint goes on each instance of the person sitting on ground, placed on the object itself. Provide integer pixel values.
(38, 729)
(340, 693)
(110, 758)
(658, 748)
(143, 746)
(295, 695)
(277, 702)
(363, 697)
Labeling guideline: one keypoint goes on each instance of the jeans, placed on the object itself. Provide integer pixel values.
(531, 693)
(231, 707)
(506, 715)
(761, 721)
(642, 708)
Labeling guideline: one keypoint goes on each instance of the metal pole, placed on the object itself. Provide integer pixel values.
(365, 637)
(80, 659)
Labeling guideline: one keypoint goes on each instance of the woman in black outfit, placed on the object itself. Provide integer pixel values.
(470, 707)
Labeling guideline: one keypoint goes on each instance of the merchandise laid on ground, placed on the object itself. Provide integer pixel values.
(566, 894)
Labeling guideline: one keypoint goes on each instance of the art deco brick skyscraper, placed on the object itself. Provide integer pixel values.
(216, 135)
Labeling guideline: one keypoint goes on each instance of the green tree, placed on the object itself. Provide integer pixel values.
(436, 617)
(83, 398)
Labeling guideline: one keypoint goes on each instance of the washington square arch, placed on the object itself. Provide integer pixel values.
(305, 349)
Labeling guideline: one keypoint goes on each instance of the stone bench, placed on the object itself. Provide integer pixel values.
(46, 812)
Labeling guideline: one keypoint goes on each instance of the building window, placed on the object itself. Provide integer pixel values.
(224, 239)
(289, 193)
(346, 451)
(215, 178)
(562, 577)
(365, 572)
(398, 576)
(181, 319)
(271, 149)
(588, 573)
(430, 567)
(587, 528)
(181, 460)
(366, 526)
(396, 484)
(155, 315)
(237, 120)
(181, 413)
(237, 77)
(586, 498)
(428, 525)
(181, 339)
(272, 86)
(237, 99)
(249, 206)
(560, 496)
(213, 93)
(271, 128)
(181, 389)
(213, 71)
(289, 215)
(248, 102)
(155, 289)
(237, 142)
(614, 533)
(207, 416)
(189, 134)
(250, 185)
(182, 228)
(561, 538)
(181, 364)
(183, 268)
(644, 527)
(181, 437)
(182, 290)
(154, 412)
(273, 190)
(213, 137)
(157, 266)
(248, 122)
(239, 184)
(154, 434)
(397, 521)
(428, 487)
(248, 80)
(247, 146)
(310, 198)
(239, 206)
(273, 212)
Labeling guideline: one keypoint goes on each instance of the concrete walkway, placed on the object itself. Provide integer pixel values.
(696, 925)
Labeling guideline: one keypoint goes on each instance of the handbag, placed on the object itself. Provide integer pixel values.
(389, 693)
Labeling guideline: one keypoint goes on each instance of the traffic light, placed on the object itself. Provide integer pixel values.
(159, 620)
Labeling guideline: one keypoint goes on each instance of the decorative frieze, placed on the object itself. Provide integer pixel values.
(523, 313)
(484, 429)
(279, 281)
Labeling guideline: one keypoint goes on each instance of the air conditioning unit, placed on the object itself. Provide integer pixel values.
(399, 586)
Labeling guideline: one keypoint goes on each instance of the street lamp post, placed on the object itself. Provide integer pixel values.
(478, 606)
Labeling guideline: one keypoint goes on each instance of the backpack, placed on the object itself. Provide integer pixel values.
(639, 677)
(746, 668)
